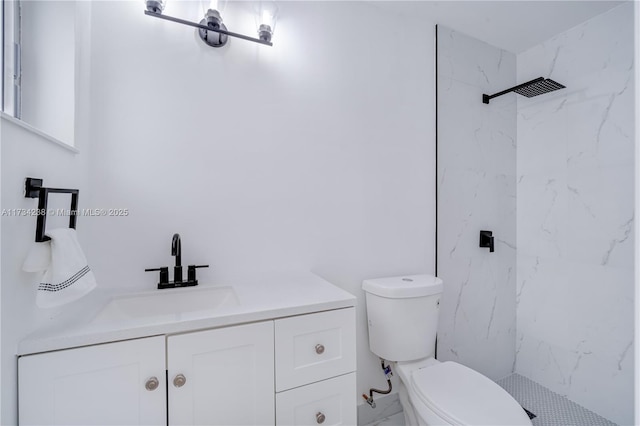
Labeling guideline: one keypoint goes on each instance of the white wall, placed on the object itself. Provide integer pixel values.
(476, 191)
(2, 374)
(576, 216)
(315, 154)
(636, 8)
(27, 154)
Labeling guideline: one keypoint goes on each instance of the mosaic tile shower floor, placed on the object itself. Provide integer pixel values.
(550, 408)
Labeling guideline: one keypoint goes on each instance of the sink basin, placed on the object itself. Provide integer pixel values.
(168, 302)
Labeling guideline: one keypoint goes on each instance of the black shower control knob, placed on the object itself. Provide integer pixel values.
(487, 240)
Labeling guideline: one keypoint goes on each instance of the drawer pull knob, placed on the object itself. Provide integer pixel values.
(320, 351)
(179, 380)
(320, 418)
(152, 384)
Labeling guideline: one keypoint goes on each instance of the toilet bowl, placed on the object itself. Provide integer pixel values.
(402, 315)
(449, 393)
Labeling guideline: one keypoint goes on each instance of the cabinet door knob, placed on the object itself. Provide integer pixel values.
(179, 380)
(320, 418)
(152, 384)
(319, 349)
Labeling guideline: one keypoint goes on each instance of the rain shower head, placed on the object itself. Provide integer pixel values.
(538, 86)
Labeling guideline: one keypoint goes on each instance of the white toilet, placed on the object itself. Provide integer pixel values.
(403, 318)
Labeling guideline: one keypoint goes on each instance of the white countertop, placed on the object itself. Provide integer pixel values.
(275, 296)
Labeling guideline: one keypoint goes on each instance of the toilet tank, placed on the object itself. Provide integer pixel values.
(402, 313)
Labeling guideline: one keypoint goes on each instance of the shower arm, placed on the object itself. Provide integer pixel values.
(486, 98)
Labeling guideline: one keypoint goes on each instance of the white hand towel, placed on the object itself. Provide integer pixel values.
(67, 276)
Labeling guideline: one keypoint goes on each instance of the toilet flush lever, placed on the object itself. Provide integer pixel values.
(486, 240)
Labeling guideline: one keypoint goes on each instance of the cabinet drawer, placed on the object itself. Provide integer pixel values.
(310, 348)
(330, 402)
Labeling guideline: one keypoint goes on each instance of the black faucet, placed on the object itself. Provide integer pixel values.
(176, 250)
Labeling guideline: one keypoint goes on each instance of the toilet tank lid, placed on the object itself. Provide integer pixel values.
(404, 286)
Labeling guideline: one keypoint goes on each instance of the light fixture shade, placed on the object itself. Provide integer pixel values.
(266, 14)
(207, 5)
(155, 6)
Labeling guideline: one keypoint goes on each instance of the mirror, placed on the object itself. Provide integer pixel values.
(38, 65)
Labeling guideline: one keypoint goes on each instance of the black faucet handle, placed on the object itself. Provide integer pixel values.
(164, 273)
(191, 272)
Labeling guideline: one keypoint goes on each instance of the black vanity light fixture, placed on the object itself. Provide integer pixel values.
(211, 29)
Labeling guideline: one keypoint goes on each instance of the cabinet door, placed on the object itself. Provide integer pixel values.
(222, 376)
(329, 402)
(95, 385)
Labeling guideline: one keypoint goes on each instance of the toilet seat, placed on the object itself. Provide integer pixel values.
(462, 396)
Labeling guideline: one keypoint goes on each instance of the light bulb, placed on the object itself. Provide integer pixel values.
(267, 18)
(266, 15)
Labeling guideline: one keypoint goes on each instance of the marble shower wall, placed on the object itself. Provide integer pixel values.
(575, 204)
(476, 191)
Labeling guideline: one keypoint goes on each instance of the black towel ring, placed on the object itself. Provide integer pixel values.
(34, 189)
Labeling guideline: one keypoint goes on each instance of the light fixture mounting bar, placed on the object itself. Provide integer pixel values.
(206, 28)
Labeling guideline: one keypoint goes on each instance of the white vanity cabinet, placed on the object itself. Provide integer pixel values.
(294, 370)
(222, 376)
(119, 383)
